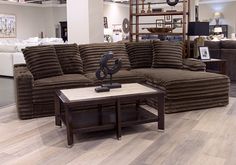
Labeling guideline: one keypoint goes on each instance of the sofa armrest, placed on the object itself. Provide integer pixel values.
(23, 91)
(193, 64)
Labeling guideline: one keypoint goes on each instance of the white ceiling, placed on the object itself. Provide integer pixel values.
(115, 1)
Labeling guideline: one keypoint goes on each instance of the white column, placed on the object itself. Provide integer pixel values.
(193, 3)
(85, 21)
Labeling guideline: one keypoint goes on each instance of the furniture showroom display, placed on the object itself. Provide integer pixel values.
(220, 63)
(225, 50)
(10, 52)
(187, 85)
(103, 118)
(223, 27)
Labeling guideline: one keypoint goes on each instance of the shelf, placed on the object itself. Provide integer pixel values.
(159, 13)
(170, 33)
(136, 23)
(154, 3)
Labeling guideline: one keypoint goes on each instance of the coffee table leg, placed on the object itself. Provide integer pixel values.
(118, 122)
(100, 122)
(68, 118)
(161, 112)
(57, 110)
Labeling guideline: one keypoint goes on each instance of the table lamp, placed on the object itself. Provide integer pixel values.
(218, 30)
(217, 33)
(217, 16)
(198, 29)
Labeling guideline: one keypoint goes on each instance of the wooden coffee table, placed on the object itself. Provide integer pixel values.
(68, 101)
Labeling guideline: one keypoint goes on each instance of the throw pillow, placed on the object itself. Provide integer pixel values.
(42, 61)
(167, 54)
(140, 54)
(69, 58)
(92, 53)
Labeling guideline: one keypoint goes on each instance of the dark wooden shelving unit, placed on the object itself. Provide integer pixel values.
(137, 24)
(159, 13)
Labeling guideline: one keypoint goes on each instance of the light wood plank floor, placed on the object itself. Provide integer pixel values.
(205, 137)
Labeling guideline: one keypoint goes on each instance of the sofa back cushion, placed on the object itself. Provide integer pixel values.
(140, 54)
(228, 44)
(91, 55)
(167, 54)
(69, 58)
(42, 61)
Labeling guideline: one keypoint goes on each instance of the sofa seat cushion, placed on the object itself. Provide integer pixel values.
(184, 84)
(92, 53)
(167, 54)
(42, 61)
(44, 89)
(140, 54)
(123, 76)
(69, 58)
(188, 90)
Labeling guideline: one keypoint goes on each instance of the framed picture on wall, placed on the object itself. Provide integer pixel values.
(105, 22)
(7, 26)
(159, 23)
(204, 53)
(177, 22)
(168, 25)
(168, 18)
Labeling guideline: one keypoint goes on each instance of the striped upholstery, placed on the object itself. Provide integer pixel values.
(123, 76)
(42, 61)
(69, 58)
(91, 55)
(188, 90)
(193, 64)
(24, 85)
(167, 54)
(140, 54)
(43, 90)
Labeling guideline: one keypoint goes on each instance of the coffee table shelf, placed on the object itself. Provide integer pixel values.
(129, 118)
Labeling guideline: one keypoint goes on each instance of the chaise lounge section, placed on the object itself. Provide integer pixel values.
(185, 89)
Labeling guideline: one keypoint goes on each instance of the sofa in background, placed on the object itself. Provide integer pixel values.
(10, 51)
(225, 49)
(158, 64)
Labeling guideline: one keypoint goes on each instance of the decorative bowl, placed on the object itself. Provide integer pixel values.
(160, 30)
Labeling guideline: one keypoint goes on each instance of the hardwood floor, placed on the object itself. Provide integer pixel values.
(6, 91)
(204, 137)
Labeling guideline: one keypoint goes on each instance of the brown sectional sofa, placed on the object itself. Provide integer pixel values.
(185, 89)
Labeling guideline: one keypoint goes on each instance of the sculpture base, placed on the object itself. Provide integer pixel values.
(102, 89)
(112, 85)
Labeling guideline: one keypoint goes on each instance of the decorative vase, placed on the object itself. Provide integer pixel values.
(149, 7)
(142, 11)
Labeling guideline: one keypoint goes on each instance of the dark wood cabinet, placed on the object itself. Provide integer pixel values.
(64, 33)
(224, 29)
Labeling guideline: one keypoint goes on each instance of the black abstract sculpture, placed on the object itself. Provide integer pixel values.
(104, 70)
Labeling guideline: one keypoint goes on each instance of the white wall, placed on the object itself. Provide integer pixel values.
(53, 17)
(96, 21)
(206, 12)
(31, 20)
(115, 13)
(85, 21)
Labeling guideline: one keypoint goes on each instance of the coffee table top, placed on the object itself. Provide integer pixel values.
(88, 93)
